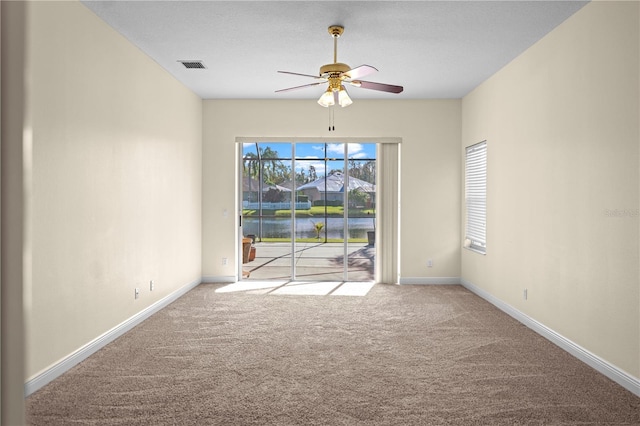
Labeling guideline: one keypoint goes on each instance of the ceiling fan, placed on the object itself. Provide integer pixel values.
(337, 74)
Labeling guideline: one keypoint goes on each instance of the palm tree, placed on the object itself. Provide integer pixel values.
(318, 227)
(250, 165)
(269, 157)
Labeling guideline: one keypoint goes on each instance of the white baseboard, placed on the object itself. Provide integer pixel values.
(624, 379)
(92, 347)
(219, 279)
(431, 280)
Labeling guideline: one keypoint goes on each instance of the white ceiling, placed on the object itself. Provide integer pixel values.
(435, 49)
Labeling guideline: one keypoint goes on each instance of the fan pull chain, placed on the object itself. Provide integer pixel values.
(331, 124)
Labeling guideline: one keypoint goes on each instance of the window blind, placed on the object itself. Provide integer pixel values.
(476, 196)
(388, 214)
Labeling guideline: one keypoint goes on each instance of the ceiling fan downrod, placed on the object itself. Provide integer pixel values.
(335, 31)
(336, 67)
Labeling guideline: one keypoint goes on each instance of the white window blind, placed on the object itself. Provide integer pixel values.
(388, 214)
(476, 196)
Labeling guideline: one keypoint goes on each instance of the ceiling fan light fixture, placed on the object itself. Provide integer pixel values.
(343, 98)
(327, 99)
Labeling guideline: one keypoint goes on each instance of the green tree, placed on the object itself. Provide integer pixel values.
(273, 196)
(251, 166)
(301, 177)
(269, 160)
(313, 176)
(364, 170)
(358, 197)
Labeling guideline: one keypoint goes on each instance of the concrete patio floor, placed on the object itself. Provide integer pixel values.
(313, 262)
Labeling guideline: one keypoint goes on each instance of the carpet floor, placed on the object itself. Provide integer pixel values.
(401, 355)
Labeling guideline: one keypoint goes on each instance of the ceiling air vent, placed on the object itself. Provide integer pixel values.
(193, 64)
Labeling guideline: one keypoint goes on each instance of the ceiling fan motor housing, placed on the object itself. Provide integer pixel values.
(334, 68)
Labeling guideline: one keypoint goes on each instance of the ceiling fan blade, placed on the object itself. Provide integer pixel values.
(360, 71)
(299, 87)
(302, 75)
(377, 86)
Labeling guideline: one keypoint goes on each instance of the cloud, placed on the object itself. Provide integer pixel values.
(337, 149)
(355, 149)
(318, 165)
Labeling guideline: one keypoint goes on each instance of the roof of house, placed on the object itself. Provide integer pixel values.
(253, 185)
(335, 183)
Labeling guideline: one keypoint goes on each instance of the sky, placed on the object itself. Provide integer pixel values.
(313, 154)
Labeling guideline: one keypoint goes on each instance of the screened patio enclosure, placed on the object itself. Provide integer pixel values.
(306, 207)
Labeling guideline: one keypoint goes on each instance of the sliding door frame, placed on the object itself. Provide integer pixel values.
(387, 244)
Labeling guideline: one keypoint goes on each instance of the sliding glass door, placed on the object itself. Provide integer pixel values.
(308, 211)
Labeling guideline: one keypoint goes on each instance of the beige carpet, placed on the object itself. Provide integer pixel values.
(402, 355)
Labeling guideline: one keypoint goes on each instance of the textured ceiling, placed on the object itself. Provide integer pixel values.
(435, 49)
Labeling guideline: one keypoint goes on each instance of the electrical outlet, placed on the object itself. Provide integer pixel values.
(524, 294)
(151, 285)
(224, 261)
(137, 293)
(429, 263)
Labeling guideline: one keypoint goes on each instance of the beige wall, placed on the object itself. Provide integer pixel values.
(13, 107)
(430, 170)
(562, 125)
(116, 181)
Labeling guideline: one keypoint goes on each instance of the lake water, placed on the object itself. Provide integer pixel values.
(281, 227)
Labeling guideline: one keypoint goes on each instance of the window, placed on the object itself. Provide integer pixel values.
(476, 196)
